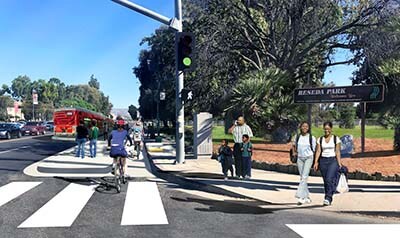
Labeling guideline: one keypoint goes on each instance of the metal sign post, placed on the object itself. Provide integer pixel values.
(175, 24)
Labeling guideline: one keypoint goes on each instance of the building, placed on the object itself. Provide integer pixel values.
(15, 113)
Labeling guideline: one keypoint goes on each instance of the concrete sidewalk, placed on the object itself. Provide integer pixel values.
(65, 164)
(278, 189)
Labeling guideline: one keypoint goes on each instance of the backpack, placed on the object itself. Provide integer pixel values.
(293, 158)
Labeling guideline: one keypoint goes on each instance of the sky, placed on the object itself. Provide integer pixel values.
(73, 39)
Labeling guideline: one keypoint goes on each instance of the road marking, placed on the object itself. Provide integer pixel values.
(14, 189)
(63, 209)
(6, 151)
(143, 205)
(345, 230)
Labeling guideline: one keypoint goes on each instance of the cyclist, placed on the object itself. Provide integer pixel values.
(137, 131)
(116, 143)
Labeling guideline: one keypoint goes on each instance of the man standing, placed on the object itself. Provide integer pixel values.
(81, 136)
(239, 129)
(94, 134)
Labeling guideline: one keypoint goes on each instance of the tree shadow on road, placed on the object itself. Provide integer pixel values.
(236, 207)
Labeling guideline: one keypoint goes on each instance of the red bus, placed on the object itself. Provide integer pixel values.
(67, 119)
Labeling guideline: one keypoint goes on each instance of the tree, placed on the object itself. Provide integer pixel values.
(133, 112)
(381, 52)
(93, 82)
(259, 96)
(5, 101)
(347, 116)
(5, 90)
(156, 72)
(21, 87)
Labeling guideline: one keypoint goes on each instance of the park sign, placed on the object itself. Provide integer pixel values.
(364, 93)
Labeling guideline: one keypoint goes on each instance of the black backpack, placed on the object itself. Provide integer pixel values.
(293, 159)
(320, 142)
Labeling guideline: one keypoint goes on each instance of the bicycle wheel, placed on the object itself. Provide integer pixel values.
(118, 184)
(121, 172)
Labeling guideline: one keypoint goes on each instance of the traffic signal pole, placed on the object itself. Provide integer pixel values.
(180, 108)
(176, 24)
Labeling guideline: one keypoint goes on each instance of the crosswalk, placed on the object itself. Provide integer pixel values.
(143, 204)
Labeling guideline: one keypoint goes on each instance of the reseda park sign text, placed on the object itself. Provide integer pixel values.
(365, 93)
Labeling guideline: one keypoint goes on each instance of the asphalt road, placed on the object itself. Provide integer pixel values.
(189, 215)
(16, 154)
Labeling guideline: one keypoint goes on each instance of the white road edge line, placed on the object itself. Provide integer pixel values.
(345, 230)
(63, 209)
(14, 189)
(143, 205)
(6, 151)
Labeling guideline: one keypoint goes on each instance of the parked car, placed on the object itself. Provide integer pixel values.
(49, 125)
(19, 125)
(8, 131)
(33, 128)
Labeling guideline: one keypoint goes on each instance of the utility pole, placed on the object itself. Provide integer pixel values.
(309, 106)
(175, 24)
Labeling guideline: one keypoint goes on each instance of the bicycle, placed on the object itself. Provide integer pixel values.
(119, 173)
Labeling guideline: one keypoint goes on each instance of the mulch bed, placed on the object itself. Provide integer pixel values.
(378, 157)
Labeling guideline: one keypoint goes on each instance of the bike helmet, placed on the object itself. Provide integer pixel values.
(120, 123)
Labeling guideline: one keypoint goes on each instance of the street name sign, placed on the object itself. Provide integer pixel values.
(364, 93)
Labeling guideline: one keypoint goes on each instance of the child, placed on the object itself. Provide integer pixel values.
(225, 158)
(247, 149)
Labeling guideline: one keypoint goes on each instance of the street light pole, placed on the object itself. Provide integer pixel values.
(175, 24)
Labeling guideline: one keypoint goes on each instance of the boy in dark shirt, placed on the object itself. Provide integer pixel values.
(225, 158)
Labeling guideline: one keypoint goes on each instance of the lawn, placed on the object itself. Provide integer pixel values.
(370, 132)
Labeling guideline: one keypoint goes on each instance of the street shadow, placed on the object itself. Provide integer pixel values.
(105, 185)
(72, 162)
(236, 207)
(217, 179)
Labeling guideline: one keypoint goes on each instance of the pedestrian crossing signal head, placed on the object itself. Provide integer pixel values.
(185, 50)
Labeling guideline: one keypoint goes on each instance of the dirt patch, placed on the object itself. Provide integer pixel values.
(378, 157)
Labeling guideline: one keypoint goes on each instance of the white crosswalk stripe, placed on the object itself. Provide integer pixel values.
(14, 189)
(143, 205)
(62, 210)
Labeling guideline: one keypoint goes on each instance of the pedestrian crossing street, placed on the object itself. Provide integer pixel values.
(143, 204)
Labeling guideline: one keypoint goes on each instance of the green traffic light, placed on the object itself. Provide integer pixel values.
(187, 61)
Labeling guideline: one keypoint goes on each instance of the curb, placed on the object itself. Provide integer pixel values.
(292, 169)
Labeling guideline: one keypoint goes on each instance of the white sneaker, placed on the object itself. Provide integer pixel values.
(307, 200)
(300, 201)
(327, 203)
(226, 178)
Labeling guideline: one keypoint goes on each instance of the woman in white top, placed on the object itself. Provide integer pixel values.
(304, 147)
(328, 160)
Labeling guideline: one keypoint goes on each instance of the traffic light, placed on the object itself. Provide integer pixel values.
(186, 95)
(185, 51)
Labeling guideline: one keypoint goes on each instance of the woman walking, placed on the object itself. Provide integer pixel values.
(304, 146)
(328, 161)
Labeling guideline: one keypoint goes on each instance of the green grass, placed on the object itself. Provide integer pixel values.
(218, 134)
(370, 132)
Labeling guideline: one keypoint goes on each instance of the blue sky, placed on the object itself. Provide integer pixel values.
(72, 39)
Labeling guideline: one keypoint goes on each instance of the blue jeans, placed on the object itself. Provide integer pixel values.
(304, 164)
(93, 147)
(247, 165)
(81, 147)
(329, 168)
